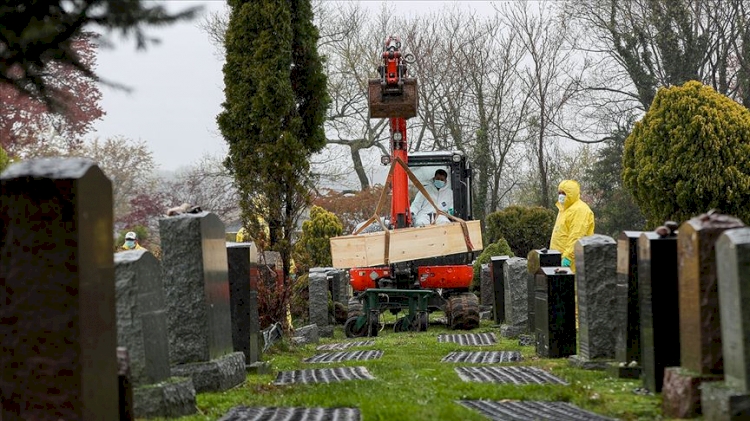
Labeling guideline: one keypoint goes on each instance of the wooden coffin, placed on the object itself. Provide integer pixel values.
(405, 244)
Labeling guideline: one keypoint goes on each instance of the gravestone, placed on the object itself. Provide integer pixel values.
(194, 272)
(497, 274)
(58, 309)
(142, 330)
(730, 400)
(516, 276)
(555, 312)
(338, 284)
(596, 278)
(243, 309)
(700, 325)
(485, 287)
(627, 311)
(538, 259)
(318, 300)
(660, 316)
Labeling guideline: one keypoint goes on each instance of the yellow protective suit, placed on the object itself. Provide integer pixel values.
(574, 221)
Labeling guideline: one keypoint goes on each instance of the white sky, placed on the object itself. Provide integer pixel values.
(177, 87)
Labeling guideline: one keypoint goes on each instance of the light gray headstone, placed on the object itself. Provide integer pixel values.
(142, 316)
(318, 288)
(596, 282)
(733, 270)
(516, 294)
(194, 267)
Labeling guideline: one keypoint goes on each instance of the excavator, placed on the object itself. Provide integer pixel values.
(417, 287)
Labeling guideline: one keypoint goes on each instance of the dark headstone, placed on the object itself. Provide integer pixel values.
(627, 312)
(516, 291)
(141, 316)
(595, 278)
(660, 316)
(240, 306)
(498, 287)
(730, 400)
(555, 312)
(700, 326)
(125, 386)
(194, 267)
(57, 278)
(318, 299)
(543, 258)
(537, 259)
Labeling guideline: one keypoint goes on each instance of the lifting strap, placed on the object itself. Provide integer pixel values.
(420, 187)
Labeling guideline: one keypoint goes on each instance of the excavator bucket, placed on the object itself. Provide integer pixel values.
(392, 105)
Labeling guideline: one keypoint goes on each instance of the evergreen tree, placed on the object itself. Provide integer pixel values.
(690, 153)
(273, 113)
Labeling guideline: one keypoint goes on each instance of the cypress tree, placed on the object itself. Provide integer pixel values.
(273, 113)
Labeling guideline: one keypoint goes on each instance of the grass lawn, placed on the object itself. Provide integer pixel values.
(412, 384)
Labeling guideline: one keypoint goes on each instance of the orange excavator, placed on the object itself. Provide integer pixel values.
(421, 286)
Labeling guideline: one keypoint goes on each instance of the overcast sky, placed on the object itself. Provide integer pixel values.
(177, 88)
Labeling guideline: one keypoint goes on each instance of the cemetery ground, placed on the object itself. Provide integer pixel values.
(411, 382)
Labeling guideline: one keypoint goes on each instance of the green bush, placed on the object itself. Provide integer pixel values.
(313, 248)
(524, 228)
(4, 160)
(498, 248)
(689, 153)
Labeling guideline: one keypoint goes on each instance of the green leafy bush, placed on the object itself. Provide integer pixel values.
(4, 160)
(313, 248)
(689, 153)
(524, 228)
(498, 248)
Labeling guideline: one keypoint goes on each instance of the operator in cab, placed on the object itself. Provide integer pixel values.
(441, 194)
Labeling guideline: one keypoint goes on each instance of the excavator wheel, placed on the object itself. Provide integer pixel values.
(462, 311)
(354, 308)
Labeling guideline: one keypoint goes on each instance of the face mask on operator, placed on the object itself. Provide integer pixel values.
(130, 244)
(561, 199)
(439, 184)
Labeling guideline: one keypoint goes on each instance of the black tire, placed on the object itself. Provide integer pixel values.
(354, 308)
(464, 311)
(351, 331)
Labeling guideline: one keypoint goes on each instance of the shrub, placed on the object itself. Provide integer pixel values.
(313, 248)
(524, 228)
(689, 153)
(498, 248)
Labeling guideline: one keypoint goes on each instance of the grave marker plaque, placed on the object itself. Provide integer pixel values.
(555, 312)
(660, 315)
(498, 287)
(57, 277)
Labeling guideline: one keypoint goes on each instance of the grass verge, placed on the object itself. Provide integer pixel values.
(412, 384)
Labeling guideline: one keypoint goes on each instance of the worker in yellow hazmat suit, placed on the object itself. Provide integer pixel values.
(574, 221)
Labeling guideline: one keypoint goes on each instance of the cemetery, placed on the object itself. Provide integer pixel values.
(651, 325)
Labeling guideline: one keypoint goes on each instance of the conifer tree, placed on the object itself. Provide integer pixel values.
(272, 118)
